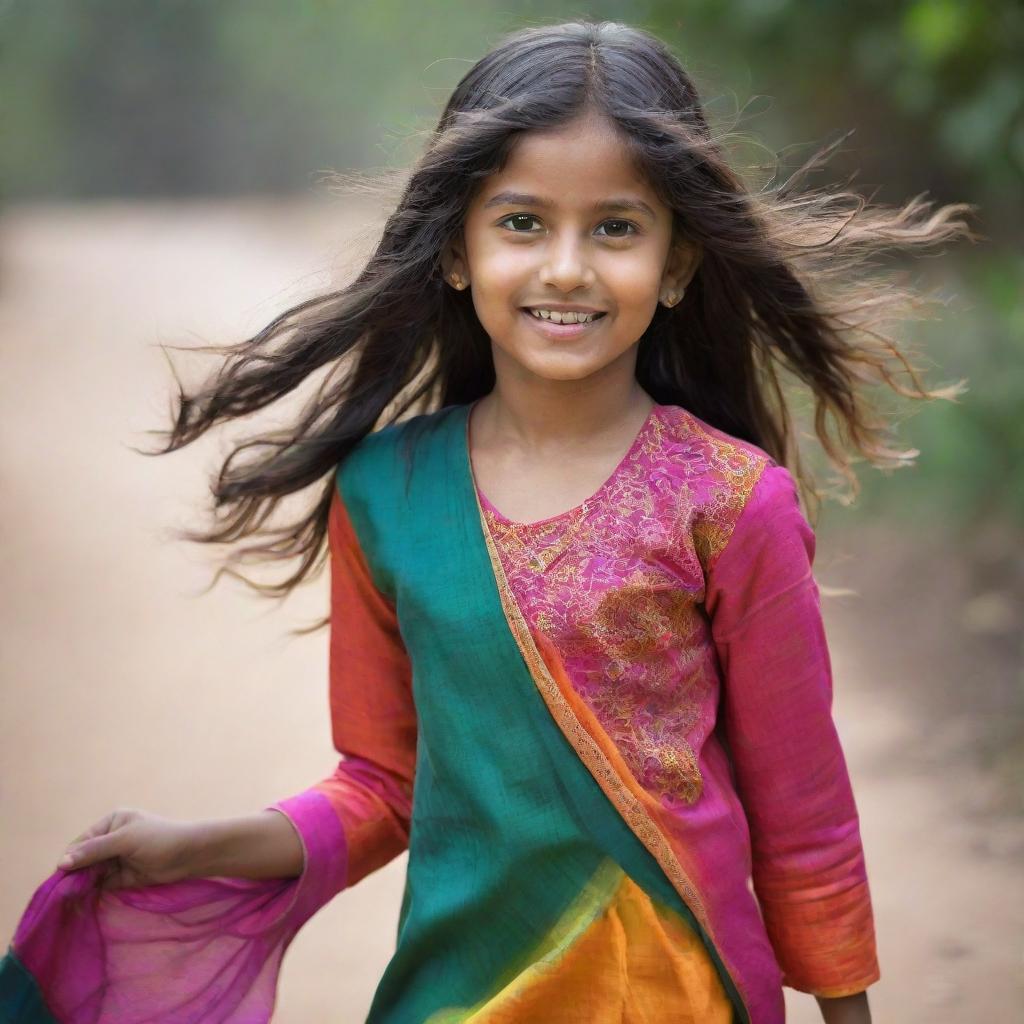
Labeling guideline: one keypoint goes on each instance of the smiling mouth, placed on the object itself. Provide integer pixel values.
(594, 317)
(556, 331)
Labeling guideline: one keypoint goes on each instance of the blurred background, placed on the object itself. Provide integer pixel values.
(162, 181)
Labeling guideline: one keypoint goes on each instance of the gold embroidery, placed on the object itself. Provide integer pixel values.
(634, 624)
(538, 557)
(643, 617)
(737, 472)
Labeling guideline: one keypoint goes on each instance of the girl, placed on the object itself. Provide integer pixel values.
(577, 661)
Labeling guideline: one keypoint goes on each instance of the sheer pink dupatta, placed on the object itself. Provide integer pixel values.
(200, 950)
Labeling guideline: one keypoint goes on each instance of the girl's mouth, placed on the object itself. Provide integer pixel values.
(550, 329)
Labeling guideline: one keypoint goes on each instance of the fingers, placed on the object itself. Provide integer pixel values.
(100, 827)
(96, 843)
(92, 850)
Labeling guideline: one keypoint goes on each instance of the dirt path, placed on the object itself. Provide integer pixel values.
(120, 687)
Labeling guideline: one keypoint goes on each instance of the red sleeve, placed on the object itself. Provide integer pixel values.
(373, 724)
(809, 869)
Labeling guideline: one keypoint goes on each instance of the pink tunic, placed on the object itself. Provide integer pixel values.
(681, 603)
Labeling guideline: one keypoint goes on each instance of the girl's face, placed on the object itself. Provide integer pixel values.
(568, 225)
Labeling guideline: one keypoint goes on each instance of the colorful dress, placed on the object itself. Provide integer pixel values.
(605, 739)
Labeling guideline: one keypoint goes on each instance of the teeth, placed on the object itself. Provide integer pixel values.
(567, 317)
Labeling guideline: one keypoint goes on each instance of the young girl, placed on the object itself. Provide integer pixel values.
(577, 661)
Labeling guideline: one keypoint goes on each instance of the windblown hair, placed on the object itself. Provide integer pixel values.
(781, 302)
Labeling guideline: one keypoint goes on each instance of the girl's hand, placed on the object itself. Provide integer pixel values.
(845, 1009)
(136, 847)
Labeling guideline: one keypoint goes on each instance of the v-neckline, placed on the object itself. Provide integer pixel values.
(487, 504)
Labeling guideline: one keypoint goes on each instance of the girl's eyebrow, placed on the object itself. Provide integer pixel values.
(525, 199)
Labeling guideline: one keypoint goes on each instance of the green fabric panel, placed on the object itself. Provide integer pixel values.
(20, 999)
(508, 823)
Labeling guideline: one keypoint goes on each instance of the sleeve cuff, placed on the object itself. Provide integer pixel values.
(324, 848)
(851, 988)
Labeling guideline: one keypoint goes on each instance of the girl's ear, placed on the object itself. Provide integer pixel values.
(453, 264)
(683, 260)
(682, 264)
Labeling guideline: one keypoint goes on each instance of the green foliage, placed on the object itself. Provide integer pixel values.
(934, 88)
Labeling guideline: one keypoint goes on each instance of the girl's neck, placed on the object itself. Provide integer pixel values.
(539, 421)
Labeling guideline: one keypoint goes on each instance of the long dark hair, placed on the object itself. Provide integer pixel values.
(782, 297)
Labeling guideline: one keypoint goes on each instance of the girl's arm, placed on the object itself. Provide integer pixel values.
(362, 811)
(809, 870)
(261, 845)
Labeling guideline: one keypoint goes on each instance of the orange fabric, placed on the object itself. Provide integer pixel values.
(615, 931)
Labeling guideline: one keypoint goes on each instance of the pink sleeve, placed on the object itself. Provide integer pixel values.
(210, 949)
(809, 869)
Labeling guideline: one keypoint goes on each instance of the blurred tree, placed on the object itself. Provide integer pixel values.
(113, 98)
(933, 88)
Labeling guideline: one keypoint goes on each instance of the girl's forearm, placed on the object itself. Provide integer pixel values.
(261, 845)
(846, 1009)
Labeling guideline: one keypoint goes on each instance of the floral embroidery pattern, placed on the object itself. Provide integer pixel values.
(621, 598)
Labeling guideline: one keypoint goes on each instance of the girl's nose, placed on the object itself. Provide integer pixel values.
(565, 266)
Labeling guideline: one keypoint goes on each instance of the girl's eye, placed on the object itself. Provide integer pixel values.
(521, 217)
(621, 223)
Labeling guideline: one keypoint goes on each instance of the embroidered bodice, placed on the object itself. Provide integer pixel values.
(617, 585)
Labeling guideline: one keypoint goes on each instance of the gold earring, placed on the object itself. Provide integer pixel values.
(458, 282)
(673, 297)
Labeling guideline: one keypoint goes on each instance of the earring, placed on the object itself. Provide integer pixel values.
(673, 297)
(457, 281)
